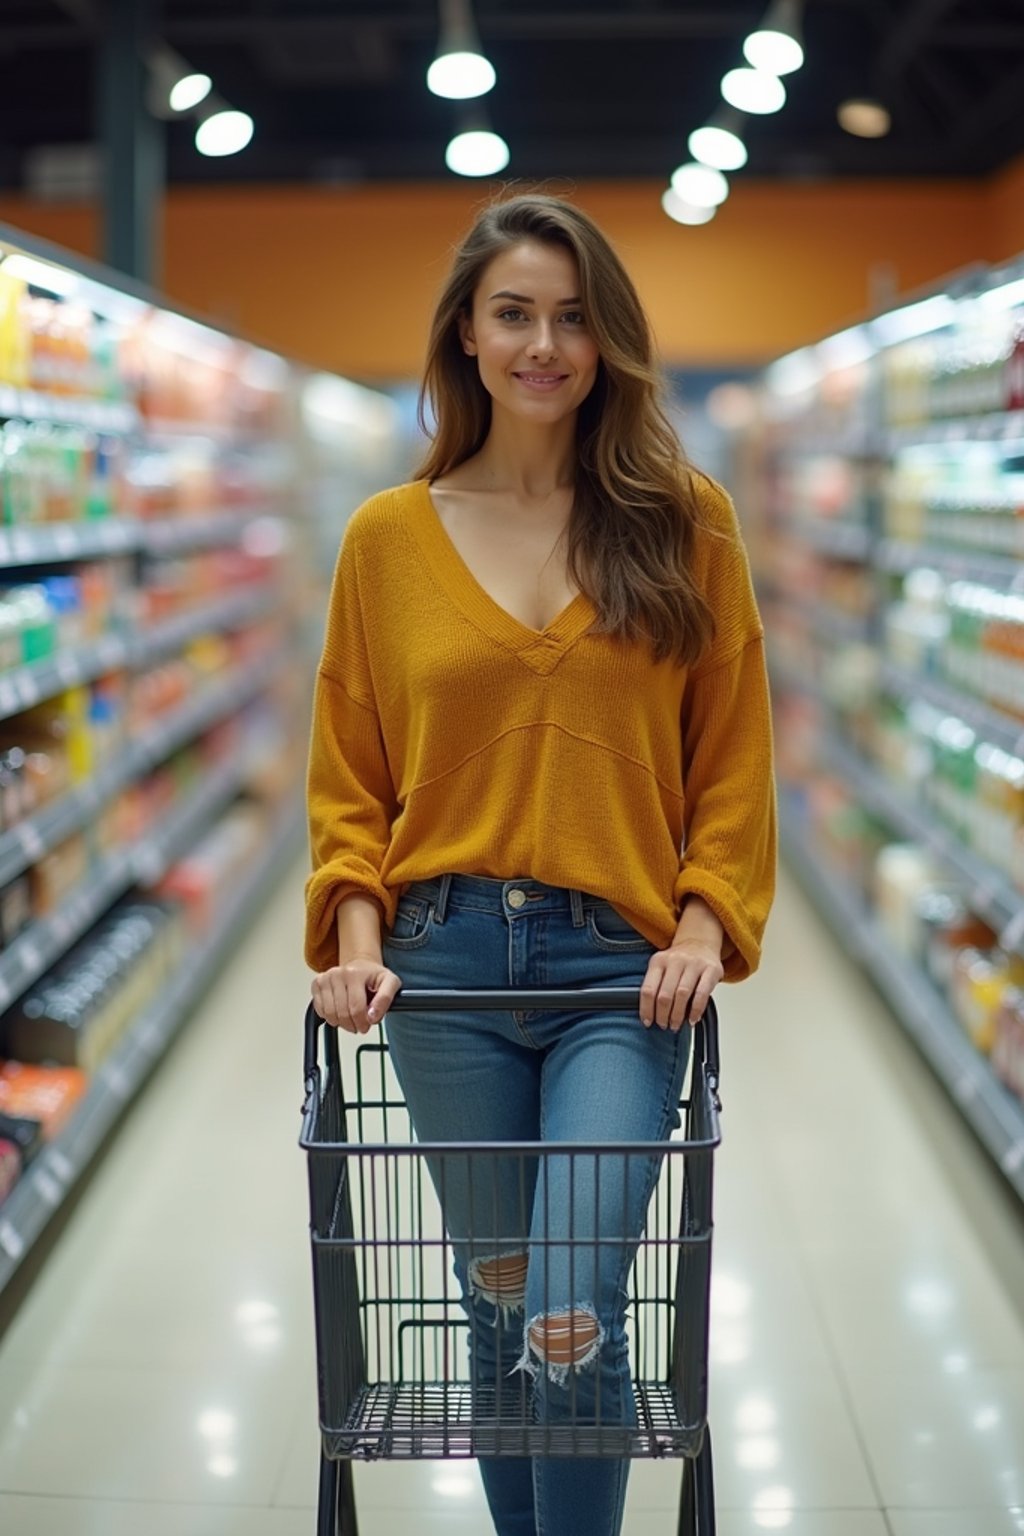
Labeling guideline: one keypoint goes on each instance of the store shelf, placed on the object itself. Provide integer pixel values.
(24, 687)
(50, 543)
(114, 416)
(232, 612)
(836, 539)
(831, 623)
(170, 535)
(44, 941)
(965, 564)
(994, 1114)
(999, 728)
(784, 675)
(53, 1175)
(989, 891)
(998, 427)
(26, 842)
(53, 543)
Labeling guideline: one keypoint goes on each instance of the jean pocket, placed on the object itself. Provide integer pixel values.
(612, 933)
(413, 923)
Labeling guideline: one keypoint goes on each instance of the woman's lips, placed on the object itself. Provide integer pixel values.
(544, 382)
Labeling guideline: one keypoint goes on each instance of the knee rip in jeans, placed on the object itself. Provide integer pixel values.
(569, 1339)
(501, 1281)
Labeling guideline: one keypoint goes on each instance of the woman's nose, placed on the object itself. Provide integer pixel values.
(542, 343)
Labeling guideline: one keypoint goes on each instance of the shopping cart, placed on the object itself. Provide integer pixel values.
(394, 1368)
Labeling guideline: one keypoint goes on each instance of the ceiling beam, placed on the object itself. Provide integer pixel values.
(979, 35)
(711, 22)
(1000, 106)
(908, 31)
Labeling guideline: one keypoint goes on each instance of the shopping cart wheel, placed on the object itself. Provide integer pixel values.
(336, 1515)
(697, 1499)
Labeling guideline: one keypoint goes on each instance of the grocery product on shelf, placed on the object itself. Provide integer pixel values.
(44, 1096)
(76, 1014)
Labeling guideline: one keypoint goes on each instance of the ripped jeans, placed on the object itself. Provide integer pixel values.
(547, 1315)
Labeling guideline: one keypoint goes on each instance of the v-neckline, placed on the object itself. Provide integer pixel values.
(541, 649)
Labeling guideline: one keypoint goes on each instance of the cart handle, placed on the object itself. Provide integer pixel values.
(580, 999)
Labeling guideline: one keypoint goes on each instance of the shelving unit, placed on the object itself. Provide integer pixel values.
(27, 686)
(907, 497)
(54, 543)
(27, 1212)
(43, 942)
(994, 1114)
(261, 467)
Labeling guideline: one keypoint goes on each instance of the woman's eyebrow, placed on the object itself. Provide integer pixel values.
(520, 298)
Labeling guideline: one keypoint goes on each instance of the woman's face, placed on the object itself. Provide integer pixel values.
(529, 335)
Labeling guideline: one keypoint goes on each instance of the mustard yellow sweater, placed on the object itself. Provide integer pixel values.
(448, 736)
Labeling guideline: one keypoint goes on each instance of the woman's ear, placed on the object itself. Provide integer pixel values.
(466, 335)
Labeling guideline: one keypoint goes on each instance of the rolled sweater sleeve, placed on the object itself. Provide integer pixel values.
(349, 791)
(730, 829)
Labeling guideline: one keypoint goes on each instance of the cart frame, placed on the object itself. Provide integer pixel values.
(371, 1254)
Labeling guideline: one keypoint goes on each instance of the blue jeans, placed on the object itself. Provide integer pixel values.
(546, 1315)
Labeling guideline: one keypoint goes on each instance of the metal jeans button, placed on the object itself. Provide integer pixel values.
(517, 898)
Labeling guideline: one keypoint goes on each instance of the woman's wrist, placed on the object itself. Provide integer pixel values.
(698, 921)
(359, 923)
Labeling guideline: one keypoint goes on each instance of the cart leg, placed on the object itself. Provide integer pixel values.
(336, 1515)
(697, 1496)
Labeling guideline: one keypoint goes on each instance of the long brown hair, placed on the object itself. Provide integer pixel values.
(632, 528)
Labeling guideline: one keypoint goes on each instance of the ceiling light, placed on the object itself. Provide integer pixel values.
(865, 119)
(776, 47)
(188, 92)
(460, 70)
(461, 75)
(700, 185)
(225, 133)
(753, 91)
(683, 212)
(718, 147)
(477, 153)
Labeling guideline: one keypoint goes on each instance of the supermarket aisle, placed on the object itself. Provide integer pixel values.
(868, 1364)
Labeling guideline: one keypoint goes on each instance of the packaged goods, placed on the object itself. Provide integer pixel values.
(980, 977)
(45, 1095)
(26, 1135)
(15, 909)
(1008, 1046)
(10, 1167)
(903, 872)
(77, 1013)
(947, 925)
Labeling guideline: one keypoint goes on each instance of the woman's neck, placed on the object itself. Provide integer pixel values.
(531, 462)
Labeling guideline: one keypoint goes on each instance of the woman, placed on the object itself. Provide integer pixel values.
(541, 756)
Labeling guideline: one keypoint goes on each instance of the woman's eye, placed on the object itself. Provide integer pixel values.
(511, 314)
(575, 316)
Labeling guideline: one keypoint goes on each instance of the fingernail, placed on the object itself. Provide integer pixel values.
(371, 1013)
(646, 1023)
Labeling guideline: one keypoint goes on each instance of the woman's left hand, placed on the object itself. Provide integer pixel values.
(679, 983)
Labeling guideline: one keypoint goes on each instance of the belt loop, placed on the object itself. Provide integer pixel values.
(441, 904)
(576, 906)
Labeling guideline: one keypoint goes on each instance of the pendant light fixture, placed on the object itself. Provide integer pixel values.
(719, 143)
(460, 69)
(776, 48)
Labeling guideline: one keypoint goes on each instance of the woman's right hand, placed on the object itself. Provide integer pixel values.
(356, 995)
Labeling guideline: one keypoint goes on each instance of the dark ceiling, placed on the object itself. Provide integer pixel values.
(586, 88)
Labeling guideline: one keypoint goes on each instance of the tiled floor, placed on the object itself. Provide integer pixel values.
(867, 1349)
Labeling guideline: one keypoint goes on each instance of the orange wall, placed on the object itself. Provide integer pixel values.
(345, 277)
(1008, 213)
